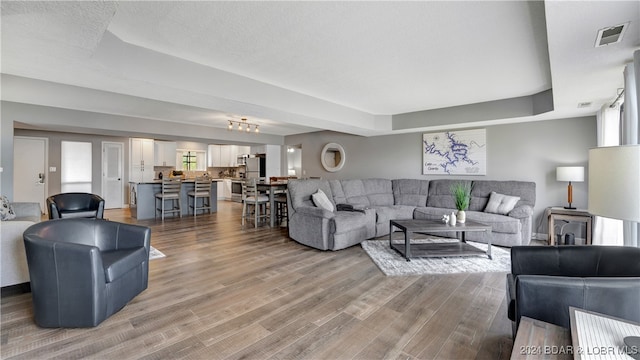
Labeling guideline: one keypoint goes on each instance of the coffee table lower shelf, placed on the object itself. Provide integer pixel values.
(439, 249)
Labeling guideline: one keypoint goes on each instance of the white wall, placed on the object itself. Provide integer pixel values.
(527, 151)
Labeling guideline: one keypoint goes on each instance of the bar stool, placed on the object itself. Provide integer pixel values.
(171, 192)
(201, 189)
(253, 201)
(282, 214)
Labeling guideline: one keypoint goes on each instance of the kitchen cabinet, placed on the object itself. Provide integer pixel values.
(165, 153)
(225, 155)
(237, 151)
(141, 158)
(221, 190)
(227, 189)
(214, 156)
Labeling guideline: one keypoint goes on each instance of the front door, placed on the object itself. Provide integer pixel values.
(112, 171)
(29, 170)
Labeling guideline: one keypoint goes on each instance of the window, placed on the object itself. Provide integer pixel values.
(192, 160)
(75, 167)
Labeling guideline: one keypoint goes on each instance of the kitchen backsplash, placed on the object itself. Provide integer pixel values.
(212, 172)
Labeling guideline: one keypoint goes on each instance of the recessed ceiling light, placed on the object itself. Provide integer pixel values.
(611, 35)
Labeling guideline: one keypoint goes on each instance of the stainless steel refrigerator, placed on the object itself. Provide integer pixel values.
(256, 167)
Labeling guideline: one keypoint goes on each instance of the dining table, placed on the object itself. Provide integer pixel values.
(272, 188)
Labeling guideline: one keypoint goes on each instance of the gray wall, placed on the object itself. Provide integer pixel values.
(54, 157)
(527, 151)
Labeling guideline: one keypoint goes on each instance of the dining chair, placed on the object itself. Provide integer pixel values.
(201, 189)
(253, 202)
(281, 207)
(170, 192)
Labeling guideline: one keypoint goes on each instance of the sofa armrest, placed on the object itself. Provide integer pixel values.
(315, 211)
(548, 298)
(521, 212)
(27, 210)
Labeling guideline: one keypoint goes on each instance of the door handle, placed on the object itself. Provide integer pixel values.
(40, 178)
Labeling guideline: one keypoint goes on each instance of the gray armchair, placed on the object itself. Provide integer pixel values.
(84, 270)
(546, 280)
(75, 205)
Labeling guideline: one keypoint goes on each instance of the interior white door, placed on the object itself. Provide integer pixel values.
(112, 172)
(29, 170)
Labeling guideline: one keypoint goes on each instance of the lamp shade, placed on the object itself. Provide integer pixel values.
(614, 182)
(570, 173)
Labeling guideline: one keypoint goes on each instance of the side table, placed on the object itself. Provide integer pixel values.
(559, 213)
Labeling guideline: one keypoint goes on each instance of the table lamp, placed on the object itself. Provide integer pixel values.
(614, 189)
(570, 174)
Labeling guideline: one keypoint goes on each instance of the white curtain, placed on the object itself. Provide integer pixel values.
(608, 231)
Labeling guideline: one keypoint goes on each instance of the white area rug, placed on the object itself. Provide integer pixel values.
(155, 254)
(391, 263)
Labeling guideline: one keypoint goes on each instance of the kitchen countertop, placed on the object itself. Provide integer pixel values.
(158, 181)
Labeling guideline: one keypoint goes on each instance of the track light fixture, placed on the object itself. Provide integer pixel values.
(243, 125)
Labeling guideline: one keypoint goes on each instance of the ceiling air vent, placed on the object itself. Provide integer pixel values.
(584, 105)
(611, 35)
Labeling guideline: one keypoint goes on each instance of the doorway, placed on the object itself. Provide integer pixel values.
(294, 161)
(29, 170)
(112, 174)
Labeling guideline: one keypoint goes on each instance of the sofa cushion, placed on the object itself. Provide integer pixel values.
(300, 191)
(364, 192)
(6, 210)
(431, 213)
(500, 203)
(481, 191)
(346, 221)
(378, 191)
(412, 192)
(396, 212)
(499, 223)
(321, 200)
(440, 195)
(119, 262)
(78, 214)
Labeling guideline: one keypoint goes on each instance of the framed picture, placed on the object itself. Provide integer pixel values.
(455, 153)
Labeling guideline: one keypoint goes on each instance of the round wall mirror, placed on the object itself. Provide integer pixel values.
(332, 157)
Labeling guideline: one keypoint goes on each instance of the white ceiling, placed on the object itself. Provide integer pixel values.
(295, 67)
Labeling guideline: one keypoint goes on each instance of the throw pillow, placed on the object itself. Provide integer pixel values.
(321, 200)
(6, 210)
(501, 204)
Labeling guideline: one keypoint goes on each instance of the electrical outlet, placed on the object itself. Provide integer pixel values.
(52, 169)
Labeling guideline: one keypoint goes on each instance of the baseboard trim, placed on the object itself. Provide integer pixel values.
(16, 289)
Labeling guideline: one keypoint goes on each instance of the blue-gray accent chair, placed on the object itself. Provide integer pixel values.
(546, 280)
(75, 205)
(84, 270)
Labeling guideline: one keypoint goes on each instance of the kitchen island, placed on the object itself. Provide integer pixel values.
(142, 199)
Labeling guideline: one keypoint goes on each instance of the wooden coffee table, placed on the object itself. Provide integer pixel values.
(457, 248)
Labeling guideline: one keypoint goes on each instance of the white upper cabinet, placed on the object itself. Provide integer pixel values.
(226, 155)
(214, 156)
(165, 153)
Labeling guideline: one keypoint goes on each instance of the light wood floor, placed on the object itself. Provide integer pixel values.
(228, 292)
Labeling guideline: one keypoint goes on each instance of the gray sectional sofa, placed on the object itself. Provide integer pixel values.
(382, 200)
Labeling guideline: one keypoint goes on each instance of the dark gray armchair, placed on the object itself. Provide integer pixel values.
(546, 280)
(84, 270)
(75, 205)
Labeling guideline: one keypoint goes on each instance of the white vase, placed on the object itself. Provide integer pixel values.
(462, 216)
(452, 219)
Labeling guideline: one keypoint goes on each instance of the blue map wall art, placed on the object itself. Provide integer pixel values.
(455, 153)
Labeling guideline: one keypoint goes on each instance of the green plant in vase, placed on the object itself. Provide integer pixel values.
(462, 195)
